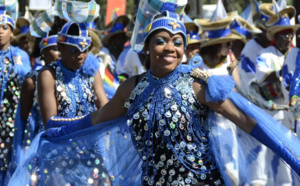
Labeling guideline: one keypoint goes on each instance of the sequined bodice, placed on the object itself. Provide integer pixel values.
(10, 84)
(169, 128)
(74, 92)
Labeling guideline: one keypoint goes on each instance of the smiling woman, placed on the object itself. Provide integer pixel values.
(165, 51)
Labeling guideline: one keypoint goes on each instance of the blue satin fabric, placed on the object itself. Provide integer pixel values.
(247, 65)
(295, 83)
(48, 160)
(287, 77)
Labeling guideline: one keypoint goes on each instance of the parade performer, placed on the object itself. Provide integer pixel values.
(161, 130)
(28, 119)
(216, 50)
(13, 69)
(254, 46)
(269, 65)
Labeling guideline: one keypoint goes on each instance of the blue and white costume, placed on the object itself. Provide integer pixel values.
(13, 65)
(289, 66)
(166, 136)
(181, 126)
(28, 128)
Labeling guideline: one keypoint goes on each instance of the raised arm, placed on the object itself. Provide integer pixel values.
(100, 95)
(46, 95)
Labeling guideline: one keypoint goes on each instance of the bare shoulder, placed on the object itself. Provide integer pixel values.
(28, 84)
(46, 74)
(127, 86)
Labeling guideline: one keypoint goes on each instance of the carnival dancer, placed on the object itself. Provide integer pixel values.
(169, 136)
(28, 119)
(13, 68)
(254, 46)
(289, 67)
(71, 87)
(268, 71)
(216, 50)
(218, 60)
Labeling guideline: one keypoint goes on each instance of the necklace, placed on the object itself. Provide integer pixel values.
(214, 66)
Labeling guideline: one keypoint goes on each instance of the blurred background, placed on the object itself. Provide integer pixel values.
(198, 8)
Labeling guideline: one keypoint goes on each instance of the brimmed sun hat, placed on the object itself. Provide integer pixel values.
(193, 33)
(218, 27)
(244, 28)
(118, 27)
(22, 28)
(280, 21)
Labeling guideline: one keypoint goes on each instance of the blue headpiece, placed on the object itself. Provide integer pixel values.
(169, 21)
(48, 41)
(145, 23)
(82, 42)
(6, 19)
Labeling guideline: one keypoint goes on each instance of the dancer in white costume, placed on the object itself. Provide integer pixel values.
(268, 69)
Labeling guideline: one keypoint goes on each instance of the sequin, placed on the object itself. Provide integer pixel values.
(167, 93)
(168, 114)
(167, 133)
(136, 116)
(163, 157)
(172, 125)
(203, 176)
(163, 172)
(188, 180)
(174, 107)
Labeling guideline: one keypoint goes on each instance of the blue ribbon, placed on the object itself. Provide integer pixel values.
(24, 29)
(213, 34)
(193, 34)
(117, 27)
(240, 29)
(283, 21)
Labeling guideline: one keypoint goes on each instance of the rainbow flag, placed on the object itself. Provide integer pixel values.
(108, 78)
(110, 83)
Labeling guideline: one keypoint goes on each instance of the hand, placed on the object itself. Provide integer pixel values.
(293, 100)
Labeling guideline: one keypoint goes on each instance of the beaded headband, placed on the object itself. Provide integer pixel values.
(6, 19)
(48, 41)
(82, 42)
(145, 24)
(169, 22)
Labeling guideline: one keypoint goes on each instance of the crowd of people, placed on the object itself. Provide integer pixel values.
(176, 101)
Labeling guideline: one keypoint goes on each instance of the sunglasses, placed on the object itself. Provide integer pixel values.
(286, 36)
